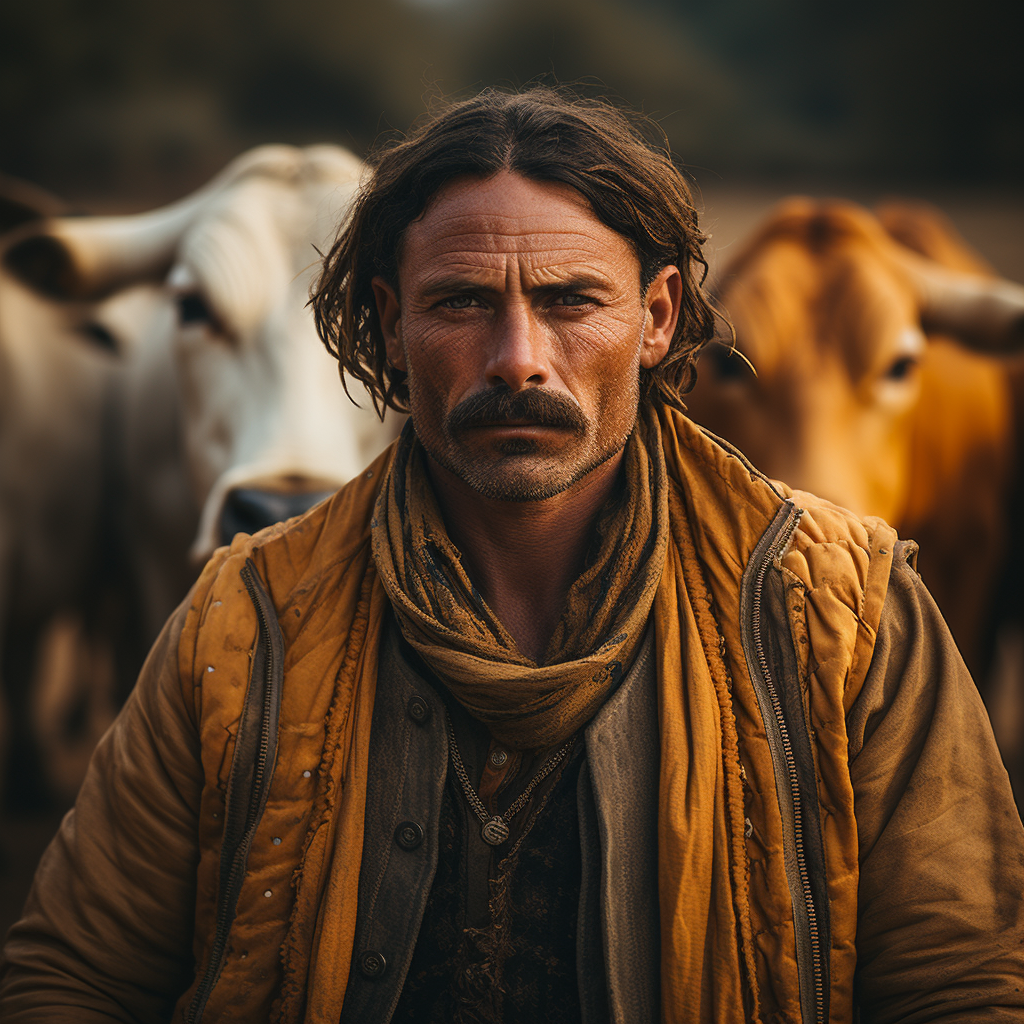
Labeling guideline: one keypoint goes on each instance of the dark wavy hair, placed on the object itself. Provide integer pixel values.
(616, 158)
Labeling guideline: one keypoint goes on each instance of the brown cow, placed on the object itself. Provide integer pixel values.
(863, 396)
(927, 231)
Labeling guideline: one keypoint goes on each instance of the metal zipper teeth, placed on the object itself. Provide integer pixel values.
(268, 678)
(224, 916)
(812, 915)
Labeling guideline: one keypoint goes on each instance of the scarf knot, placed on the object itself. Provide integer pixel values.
(444, 618)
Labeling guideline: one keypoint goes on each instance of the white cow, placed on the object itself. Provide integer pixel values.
(234, 414)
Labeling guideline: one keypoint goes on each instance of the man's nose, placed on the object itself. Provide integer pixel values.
(519, 356)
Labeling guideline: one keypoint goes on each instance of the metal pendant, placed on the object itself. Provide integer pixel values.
(495, 831)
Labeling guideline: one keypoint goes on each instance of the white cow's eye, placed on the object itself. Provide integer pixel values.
(194, 309)
(99, 336)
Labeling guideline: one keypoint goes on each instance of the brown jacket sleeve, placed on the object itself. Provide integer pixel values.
(107, 930)
(941, 920)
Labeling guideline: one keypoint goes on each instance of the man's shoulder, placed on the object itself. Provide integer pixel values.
(697, 454)
(838, 561)
(824, 524)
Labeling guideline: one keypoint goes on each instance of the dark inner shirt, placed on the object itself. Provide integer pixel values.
(498, 938)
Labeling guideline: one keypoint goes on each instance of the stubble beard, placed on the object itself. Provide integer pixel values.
(517, 469)
(516, 475)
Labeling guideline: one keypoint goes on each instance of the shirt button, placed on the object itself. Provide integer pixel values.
(498, 757)
(408, 835)
(419, 709)
(372, 964)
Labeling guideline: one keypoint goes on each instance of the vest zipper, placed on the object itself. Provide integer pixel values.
(231, 883)
(808, 942)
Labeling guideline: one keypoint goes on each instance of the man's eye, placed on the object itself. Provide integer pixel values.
(459, 302)
(574, 300)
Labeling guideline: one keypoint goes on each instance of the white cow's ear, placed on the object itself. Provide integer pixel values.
(92, 257)
(22, 203)
(45, 264)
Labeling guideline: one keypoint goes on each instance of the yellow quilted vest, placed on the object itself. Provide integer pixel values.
(285, 950)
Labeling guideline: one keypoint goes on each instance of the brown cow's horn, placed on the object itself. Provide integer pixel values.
(984, 313)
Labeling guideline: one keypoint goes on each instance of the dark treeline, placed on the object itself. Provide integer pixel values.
(145, 99)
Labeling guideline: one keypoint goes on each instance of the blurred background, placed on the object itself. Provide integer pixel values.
(120, 105)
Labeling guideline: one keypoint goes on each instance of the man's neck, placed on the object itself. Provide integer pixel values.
(523, 556)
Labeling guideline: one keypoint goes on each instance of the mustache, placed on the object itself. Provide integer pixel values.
(501, 404)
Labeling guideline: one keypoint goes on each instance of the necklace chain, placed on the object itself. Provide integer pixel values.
(495, 828)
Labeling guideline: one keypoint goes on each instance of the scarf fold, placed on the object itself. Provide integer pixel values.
(525, 705)
(707, 971)
(716, 512)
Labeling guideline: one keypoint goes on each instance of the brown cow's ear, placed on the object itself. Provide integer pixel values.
(926, 230)
(22, 203)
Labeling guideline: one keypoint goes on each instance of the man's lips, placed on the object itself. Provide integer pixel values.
(515, 425)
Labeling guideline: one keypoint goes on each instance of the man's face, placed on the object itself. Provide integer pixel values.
(522, 329)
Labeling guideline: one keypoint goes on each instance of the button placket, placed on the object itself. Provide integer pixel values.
(372, 964)
(418, 709)
(406, 804)
(409, 835)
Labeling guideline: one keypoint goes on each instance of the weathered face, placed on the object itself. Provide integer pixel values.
(520, 322)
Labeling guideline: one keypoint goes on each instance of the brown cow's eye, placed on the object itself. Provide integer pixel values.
(193, 309)
(901, 368)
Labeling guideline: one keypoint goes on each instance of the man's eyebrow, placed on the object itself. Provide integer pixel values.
(467, 282)
(577, 282)
(453, 283)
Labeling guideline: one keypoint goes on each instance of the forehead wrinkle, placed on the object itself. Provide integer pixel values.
(500, 235)
(555, 240)
(552, 263)
(530, 271)
(450, 210)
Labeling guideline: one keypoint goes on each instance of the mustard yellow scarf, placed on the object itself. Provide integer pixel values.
(525, 705)
(709, 947)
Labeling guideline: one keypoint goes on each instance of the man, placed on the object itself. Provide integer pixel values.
(561, 711)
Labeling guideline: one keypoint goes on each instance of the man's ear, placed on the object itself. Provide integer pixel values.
(389, 312)
(663, 302)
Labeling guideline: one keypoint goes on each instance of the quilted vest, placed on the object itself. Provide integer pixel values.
(280, 647)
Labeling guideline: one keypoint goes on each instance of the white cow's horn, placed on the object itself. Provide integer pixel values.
(88, 257)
